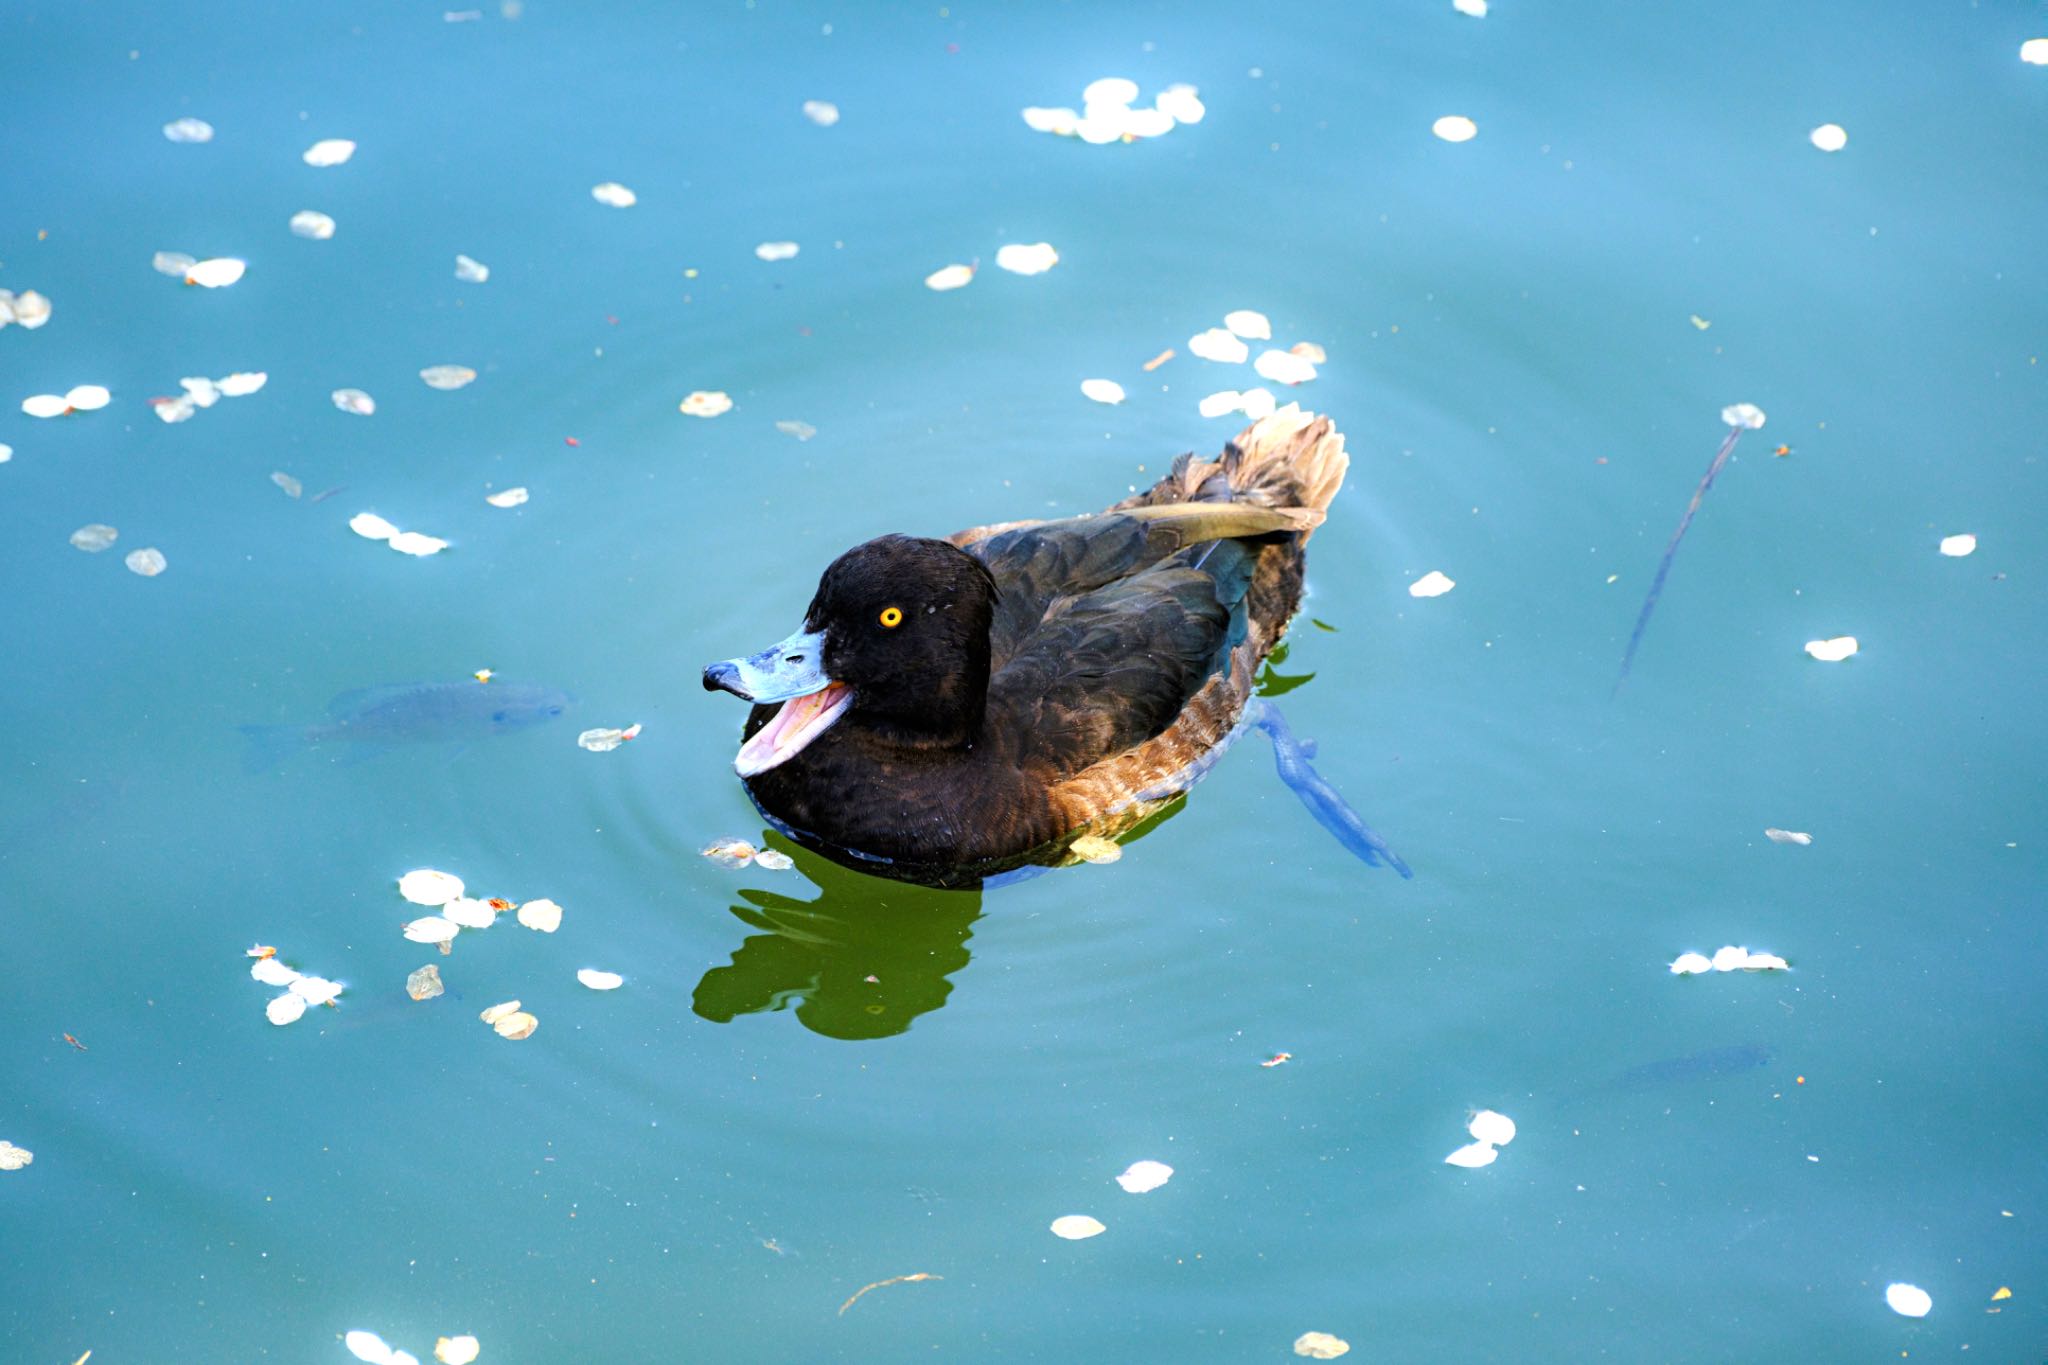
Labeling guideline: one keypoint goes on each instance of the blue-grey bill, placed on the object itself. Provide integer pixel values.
(793, 668)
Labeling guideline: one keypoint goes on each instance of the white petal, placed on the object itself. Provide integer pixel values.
(470, 271)
(291, 486)
(370, 526)
(821, 112)
(456, 1350)
(1490, 1126)
(174, 263)
(542, 915)
(189, 130)
(1219, 345)
(470, 913)
(1748, 416)
(1455, 128)
(949, 277)
(313, 225)
(1076, 1227)
(1829, 137)
(1475, 8)
(201, 391)
(1832, 651)
(1103, 390)
(6, 452)
(603, 741)
(600, 981)
(271, 972)
(1250, 325)
(2035, 51)
(283, 1009)
(1908, 1300)
(776, 251)
(416, 544)
(1730, 958)
(330, 151)
(172, 410)
(87, 398)
(94, 538)
(447, 377)
(354, 401)
(242, 383)
(1148, 122)
(1220, 402)
(1691, 964)
(1472, 1156)
(1060, 121)
(1142, 1176)
(1955, 547)
(774, 860)
(506, 497)
(432, 929)
(368, 1346)
(216, 273)
(1181, 103)
(30, 309)
(612, 193)
(1110, 90)
(1284, 367)
(1431, 584)
(705, 403)
(1788, 836)
(1033, 259)
(426, 886)
(1765, 962)
(148, 562)
(316, 990)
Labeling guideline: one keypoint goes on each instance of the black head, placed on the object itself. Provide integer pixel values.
(905, 622)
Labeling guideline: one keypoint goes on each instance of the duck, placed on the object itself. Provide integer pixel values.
(986, 699)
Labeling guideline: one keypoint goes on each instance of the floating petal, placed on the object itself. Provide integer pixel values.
(1765, 962)
(241, 384)
(6, 453)
(502, 1010)
(94, 537)
(456, 1350)
(542, 915)
(600, 981)
(332, 151)
(949, 277)
(312, 224)
(1489, 1126)
(729, 852)
(1730, 958)
(173, 410)
(604, 741)
(13, 1158)
(1475, 8)
(1059, 121)
(776, 251)
(470, 913)
(87, 398)
(1103, 390)
(354, 401)
(516, 1026)
(1110, 90)
(1076, 1227)
(1691, 964)
(368, 1346)
(148, 561)
(30, 309)
(1829, 137)
(446, 377)
(216, 273)
(613, 194)
(1908, 1300)
(821, 112)
(803, 431)
(1094, 848)
(1259, 404)
(1455, 128)
(1219, 345)
(469, 270)
(1748, 416)
(1284, 367)
(1147, 123)
(506, 497)
(1832, 651)
(417, 544)
(1221, 402)
(189, 130)
(425, 983)
(774, 861)
(1955, 547)
(1321, 1345)
(317, 990)
(1431, 584)
(1472, 1156)
(370, 526)
(432, 929)
(284, 1009)
(2034, 51)
(1141, 1177)
(1020, 259)
(174, 263)
(1249, 325)
(1180, 103)
(706, 403)
(1788, 836)
(271, 972)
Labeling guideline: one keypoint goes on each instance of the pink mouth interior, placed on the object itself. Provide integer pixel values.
(788, 731)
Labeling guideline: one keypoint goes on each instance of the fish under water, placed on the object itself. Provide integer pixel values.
(1696, 1066)
(373, 719)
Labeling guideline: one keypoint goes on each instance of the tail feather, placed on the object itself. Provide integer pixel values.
(1288, 460)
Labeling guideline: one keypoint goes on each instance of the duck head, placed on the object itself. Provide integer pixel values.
(896, 642)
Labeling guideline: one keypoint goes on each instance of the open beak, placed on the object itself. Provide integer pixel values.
(793, 673)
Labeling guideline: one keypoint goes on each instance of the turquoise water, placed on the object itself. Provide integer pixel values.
(706, 1163)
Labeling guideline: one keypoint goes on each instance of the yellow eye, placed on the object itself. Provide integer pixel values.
(892, 617)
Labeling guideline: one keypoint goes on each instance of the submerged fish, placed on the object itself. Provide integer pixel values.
(1696, 1066)
(377, 718)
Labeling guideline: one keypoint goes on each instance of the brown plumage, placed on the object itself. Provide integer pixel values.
(1114, 655)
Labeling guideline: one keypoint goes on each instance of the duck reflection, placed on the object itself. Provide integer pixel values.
(862, 960)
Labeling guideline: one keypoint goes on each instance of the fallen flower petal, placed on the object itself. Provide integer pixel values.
(447, 377)
(543, 916)
(1251, 325)
(1219, 345)
(516, 1026)
(509, 497)
(1691, 964)
(1142, 1177)
(1076, 1227)
(499, 1011)
(1472, 1156)
(1321, 1345)
(1489, 1126)
(311, 224)
(1955, 547)
(1103, 390)
(604, 741)
(217, 273)
(425, 983)
(776, 251)
(600, 981)
(189, 130)
(284, 1009)
(13, 1158)
(706, 403)
(1034, 259)
(1455, 128)
(1432, 584)
(414, 543)
(1788, 836)
(354, 401)
(148, 561)
(1832, 651)
(949, 277)
(470, 271)
(1908, 1300)
(332, 151)
(613, 194)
